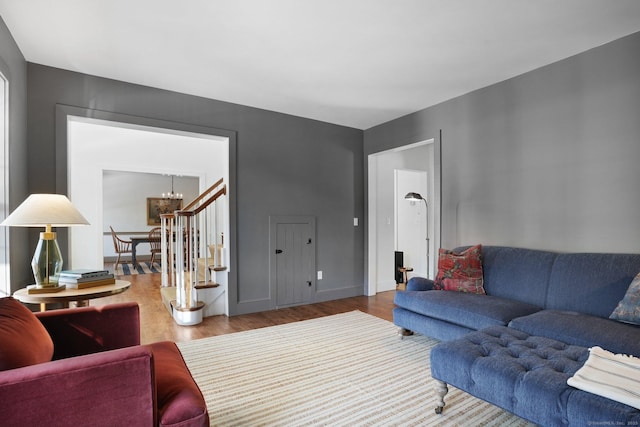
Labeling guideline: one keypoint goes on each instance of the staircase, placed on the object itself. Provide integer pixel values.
(193, 258)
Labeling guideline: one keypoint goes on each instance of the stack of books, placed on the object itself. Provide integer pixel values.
(85, 278)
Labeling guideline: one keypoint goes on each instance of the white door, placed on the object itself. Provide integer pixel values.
(411, 220)
(292, 259)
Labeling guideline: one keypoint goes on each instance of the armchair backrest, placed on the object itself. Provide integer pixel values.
(155, 235)
(120, 245)
(92, 329)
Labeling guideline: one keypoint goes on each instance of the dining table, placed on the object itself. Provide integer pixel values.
(135, 241)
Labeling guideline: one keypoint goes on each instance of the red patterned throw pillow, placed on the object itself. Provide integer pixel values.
(461, 272)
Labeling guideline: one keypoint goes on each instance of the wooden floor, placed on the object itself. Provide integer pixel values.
(156, 324)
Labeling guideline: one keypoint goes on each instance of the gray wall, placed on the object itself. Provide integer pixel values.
(286, 165)
(548, 159)
(14, 68)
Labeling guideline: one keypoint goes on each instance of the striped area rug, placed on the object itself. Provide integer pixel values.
(142, 268)
(349, 369)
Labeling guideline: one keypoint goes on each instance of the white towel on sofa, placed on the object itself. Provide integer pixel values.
(614, 376)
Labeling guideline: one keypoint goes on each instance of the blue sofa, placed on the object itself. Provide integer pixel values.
(537, 303)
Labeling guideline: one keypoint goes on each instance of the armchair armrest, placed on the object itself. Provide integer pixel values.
(103, 389)
(86, 330)
(419, 284)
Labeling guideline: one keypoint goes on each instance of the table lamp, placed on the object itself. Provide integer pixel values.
(46, 210)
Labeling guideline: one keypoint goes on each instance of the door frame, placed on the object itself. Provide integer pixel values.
(372, 216)
(65, 112)
(5, 250)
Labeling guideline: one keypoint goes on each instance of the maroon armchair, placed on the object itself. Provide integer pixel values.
(85, 366)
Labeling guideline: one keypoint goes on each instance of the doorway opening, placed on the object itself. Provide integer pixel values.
(83, 246)
(388, 221)
(95, 146)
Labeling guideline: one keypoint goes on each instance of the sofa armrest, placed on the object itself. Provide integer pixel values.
(104, 389)
(419, 284)
(180, 401)
(86, 330)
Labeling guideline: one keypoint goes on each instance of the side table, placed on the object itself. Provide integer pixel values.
(404, 271)
(80, 296)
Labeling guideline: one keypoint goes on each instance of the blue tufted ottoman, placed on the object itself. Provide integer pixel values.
(526, 375)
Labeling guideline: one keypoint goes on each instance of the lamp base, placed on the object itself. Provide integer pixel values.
(47, 261)
(34, 289)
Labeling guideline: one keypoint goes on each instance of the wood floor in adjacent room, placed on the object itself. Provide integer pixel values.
(156, 324)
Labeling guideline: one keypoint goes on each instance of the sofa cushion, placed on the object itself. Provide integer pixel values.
(517, 273)
(628, 310)
(470, 310)
(460, 271)
(23, 339)
(581, 329)
(180, 401)
(591, 283)
(428, 326)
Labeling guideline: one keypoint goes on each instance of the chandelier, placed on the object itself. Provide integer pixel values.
(172, 194)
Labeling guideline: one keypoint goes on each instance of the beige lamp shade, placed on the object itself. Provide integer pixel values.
(42, 210)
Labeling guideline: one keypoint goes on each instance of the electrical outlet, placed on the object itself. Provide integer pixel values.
(355, 222)
(320, 275)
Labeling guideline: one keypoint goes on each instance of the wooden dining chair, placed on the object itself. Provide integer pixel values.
(121, 246)
(155, 236)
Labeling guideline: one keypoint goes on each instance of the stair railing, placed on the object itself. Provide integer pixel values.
(182, 232)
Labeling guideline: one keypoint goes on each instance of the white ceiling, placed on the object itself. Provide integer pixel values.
(357, 63)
